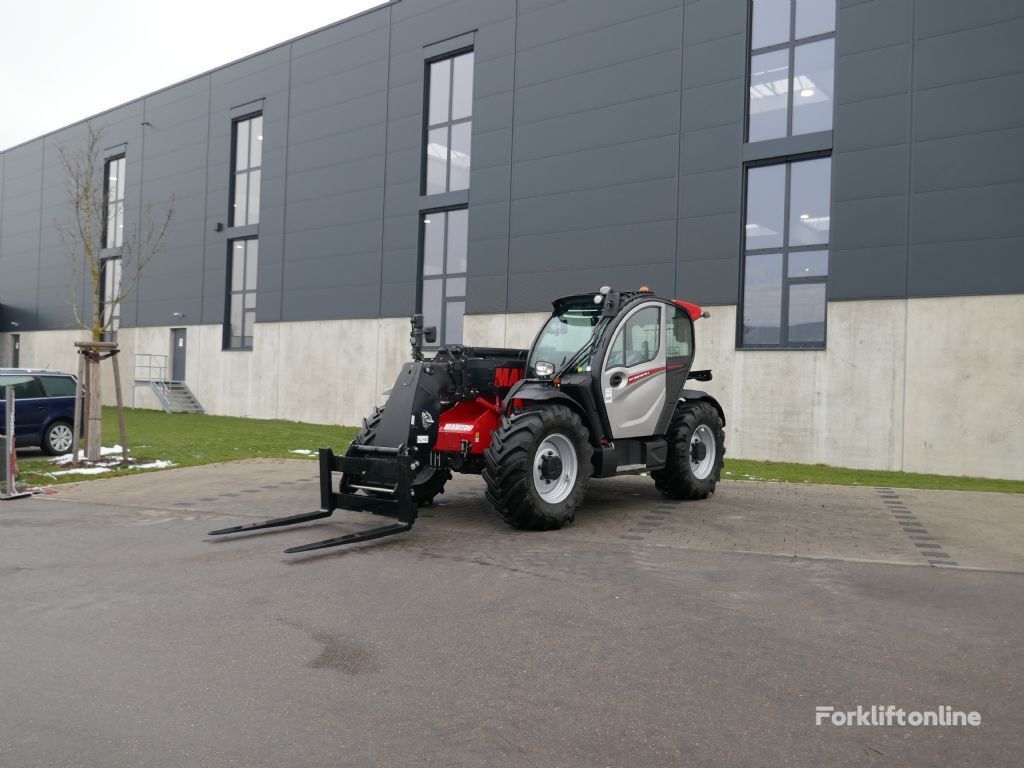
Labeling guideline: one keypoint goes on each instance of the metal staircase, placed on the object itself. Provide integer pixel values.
(174, 396)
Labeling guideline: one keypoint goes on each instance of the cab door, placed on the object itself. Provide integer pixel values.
(633, 373)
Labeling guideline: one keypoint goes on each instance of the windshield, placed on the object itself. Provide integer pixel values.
(564, 334)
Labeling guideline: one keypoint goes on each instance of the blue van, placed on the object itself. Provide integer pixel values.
(44, 408)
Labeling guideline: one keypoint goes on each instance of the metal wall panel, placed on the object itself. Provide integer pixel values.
(597, 87)
(22, 220)
(710, 175)
(967, 170)
(868, 256)
(607, 147)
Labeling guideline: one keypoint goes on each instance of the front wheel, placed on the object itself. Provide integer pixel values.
(57, 438)
(538, 466)
(696, 451)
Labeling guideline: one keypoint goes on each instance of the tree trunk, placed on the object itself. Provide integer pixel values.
(93, 435)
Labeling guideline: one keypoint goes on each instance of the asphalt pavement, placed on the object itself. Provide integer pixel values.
(647, 634)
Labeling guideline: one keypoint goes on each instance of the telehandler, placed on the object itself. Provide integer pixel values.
(600, 393)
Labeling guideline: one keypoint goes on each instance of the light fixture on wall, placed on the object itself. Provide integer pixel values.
(15, 324)
(179, 315)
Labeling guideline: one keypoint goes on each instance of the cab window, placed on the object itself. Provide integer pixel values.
(680, 335)
(637, 341)
(24, 386)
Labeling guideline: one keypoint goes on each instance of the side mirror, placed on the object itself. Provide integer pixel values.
(430, 334)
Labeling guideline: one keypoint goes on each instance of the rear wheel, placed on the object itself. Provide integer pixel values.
(57, 438)
(428, 481)
(696, 450)
(538, 466)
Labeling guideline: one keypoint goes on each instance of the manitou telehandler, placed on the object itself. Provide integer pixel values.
(600, 393)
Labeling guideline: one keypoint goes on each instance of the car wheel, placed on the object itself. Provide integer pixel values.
(57, 438)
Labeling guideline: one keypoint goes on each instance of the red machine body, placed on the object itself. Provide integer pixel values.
(469, 421)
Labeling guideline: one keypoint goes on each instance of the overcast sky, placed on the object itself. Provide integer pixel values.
(64, 60)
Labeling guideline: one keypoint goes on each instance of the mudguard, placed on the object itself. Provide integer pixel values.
(691, 395)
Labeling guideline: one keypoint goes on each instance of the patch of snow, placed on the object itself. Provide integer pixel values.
(104, 451)
(80, 471)
(302, 451)
(162, 464)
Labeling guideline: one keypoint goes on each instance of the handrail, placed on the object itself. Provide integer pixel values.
(154, 366)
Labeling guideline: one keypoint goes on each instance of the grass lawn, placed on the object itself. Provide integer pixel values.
(189, 439)
(740, 469)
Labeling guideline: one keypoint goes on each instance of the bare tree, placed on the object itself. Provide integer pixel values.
(93, 212)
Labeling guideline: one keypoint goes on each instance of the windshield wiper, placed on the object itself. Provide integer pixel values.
(582, 352)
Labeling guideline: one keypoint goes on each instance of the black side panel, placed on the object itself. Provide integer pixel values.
(675, 380)
(420, 387)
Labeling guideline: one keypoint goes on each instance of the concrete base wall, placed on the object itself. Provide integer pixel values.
(327, 372)
(330, 372)
(925, 385)
(920, 385)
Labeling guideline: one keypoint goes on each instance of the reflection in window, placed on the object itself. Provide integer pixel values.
(813, 74)
(637, 341)
(449, 124)
(247, 162)
(241, 309)
(113, 186)
(792, 67)
(786, 258)
(110, 314)
(680, 335)
(443, 294)
(24, 386)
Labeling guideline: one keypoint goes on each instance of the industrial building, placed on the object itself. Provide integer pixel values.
(840, 184)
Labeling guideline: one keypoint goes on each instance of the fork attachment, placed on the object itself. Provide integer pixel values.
(374, 479)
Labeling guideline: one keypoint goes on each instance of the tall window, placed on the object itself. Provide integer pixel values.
(449, 124)
(111, 309)
(786, 254)
(113, 194)
(248, 159)
(443, 295)
(792, 67)
(241, 315)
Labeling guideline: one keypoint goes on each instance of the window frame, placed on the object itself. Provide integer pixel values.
(448, 124)
(790, 45)
(785, 249)
(231, 292)
(247, 171)
(444, 275)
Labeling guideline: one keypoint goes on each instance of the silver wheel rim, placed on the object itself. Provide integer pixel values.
(703, 436)
(60, 438)
(559, 447)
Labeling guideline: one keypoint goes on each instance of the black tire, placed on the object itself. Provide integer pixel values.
(510, 460)
(429, 481)
(57, 438)
(677, 480)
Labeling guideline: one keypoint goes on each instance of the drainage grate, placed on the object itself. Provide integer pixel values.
(914, 529)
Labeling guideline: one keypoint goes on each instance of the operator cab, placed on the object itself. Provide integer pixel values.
(573, 325)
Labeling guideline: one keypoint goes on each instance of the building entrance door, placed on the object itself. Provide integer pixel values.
(179, 347)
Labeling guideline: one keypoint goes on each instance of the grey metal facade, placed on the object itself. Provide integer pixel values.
(607, 149)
